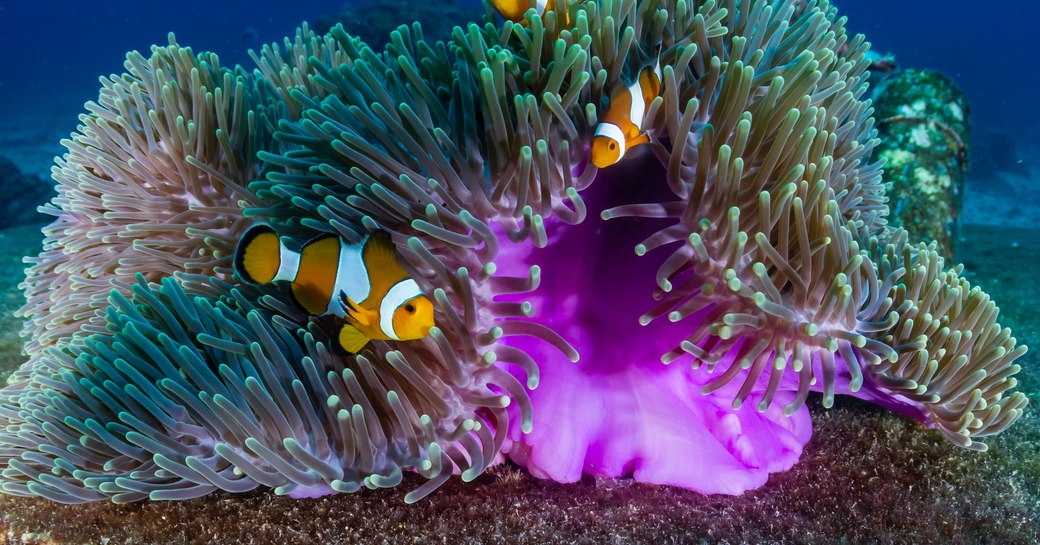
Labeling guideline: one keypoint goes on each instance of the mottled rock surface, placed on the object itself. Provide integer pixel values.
(867, 476)
(923, 123)
(20, 195)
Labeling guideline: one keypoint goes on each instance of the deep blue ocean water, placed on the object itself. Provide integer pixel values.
(55, 51)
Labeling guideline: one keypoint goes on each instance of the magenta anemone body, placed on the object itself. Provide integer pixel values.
(619, 411)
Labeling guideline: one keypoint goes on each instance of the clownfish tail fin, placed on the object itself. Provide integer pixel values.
(258, 256)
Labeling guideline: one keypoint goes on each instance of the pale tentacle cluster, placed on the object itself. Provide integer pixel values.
(784, 262)
(152, 183)
(146, 413)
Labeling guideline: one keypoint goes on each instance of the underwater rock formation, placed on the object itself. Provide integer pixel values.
(15, 244)
(923, 121)
(761, 257)
(24, 193)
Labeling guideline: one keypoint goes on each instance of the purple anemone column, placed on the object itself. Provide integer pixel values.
(619, 411)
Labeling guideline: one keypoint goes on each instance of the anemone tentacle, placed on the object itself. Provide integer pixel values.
(187, 395)
(780, 223)
(151, 184)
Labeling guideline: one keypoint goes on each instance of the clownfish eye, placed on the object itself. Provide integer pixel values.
(409, 308)
(613, 145)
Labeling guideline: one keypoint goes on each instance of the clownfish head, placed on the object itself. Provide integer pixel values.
(608, 146)
(413, 318)
(405, 313)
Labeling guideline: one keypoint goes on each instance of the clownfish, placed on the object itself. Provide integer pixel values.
(514, 10)
(622, 126)
(361, 283)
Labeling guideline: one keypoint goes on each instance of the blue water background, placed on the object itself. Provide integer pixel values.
(55, 51)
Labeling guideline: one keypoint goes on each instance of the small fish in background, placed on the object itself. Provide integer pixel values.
(514, 10)
(250, 36)
(362, 283)
(621, 128)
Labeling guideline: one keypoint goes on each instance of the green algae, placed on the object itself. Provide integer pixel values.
(867, 476)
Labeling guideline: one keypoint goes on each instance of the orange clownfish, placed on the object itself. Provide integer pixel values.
(514, 10)
(622, 126)
(361, 283)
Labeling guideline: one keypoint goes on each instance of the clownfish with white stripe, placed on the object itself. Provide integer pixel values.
(514, 10)
(621, 128)
(361, 283)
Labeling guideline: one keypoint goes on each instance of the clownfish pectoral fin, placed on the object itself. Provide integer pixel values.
(643, 138)
(361, 315)
(348, 304)
(352, 339)
(258, 256)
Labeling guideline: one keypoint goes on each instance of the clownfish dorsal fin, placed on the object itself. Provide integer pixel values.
(650, 79)
(642, 62)
(379, 245)
(657, 81)
(380, 256)
(258, 255)
(352, 339)
(319, 241)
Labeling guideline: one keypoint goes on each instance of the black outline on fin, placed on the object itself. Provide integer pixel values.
(318, 238)
(346, 301)
(250, 235)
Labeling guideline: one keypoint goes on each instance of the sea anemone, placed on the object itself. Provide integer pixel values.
(761, 256)
(153, 183)
(785, 279)
(189, 385)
